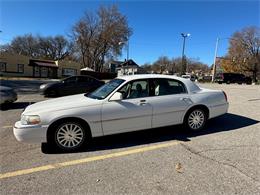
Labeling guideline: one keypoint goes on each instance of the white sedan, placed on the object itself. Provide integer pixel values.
(125, 104)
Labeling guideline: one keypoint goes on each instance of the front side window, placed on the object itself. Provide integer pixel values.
(103, 91)
(167, 87)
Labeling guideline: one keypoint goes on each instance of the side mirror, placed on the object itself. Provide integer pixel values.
(116, 97)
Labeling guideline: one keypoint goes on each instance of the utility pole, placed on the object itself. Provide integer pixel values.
(215, 59)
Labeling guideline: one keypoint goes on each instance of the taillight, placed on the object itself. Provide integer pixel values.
(225, 95)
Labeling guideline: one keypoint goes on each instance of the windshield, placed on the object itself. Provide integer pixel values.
(103, 91)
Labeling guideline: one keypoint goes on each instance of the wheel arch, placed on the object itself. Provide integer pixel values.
(201, 106)
(65, 119)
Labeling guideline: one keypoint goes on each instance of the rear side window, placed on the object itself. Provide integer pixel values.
(167, 87)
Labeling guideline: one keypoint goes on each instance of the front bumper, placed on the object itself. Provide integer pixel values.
(30, 133)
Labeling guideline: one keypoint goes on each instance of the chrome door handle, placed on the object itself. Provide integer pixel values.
(187, 100)
(142, 102)
(184, 99)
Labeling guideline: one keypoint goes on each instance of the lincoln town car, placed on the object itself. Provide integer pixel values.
(124, 104)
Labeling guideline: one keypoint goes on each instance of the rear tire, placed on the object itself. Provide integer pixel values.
(195, 119)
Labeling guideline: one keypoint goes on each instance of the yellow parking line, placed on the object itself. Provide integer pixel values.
(7, 126)
(86, 160)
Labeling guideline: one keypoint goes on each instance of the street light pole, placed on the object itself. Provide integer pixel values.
(183, 55)
(127, 48)
(127, 56)
(215, 59)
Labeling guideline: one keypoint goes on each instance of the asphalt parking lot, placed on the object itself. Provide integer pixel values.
(222, 159)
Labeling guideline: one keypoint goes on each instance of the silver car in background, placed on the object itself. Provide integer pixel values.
(7, 95)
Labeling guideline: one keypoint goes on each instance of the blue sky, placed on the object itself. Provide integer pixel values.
(156, 24)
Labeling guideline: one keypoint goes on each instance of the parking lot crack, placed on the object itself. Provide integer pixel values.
(229, 148)
(199, 153)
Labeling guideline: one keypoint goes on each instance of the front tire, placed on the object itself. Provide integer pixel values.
(195, 119)
(69, 136)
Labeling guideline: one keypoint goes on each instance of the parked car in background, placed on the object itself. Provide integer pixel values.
(7, 95)
(205, 78)
(125, 104)
(188, 76)
(71, 85)
(232, 78)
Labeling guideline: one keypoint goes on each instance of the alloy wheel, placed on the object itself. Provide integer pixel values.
(70, 136)
(196, 119)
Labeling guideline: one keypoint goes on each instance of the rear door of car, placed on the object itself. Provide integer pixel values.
(170, 100)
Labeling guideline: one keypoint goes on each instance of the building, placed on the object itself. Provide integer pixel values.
(113, 65)
(16, 65)
(128, 67)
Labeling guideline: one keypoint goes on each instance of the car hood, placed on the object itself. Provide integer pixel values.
(62, 103)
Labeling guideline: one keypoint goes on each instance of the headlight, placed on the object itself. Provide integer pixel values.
(30, 119)
(42, 86)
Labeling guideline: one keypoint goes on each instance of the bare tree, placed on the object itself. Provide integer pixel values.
(25, 45)
(243, 54)
(175, 65)
(97, 36)
(84, 32)
(53, 48)
(162, 64)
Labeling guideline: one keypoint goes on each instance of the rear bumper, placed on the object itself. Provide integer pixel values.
(218, 110)
(30, 133)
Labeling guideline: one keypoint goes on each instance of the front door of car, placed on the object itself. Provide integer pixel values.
(133, 112)
(170, 100)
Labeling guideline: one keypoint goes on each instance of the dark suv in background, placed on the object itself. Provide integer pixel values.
(232, 78)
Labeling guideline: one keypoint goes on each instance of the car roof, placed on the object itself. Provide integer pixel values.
(191, 87)
(81, 76)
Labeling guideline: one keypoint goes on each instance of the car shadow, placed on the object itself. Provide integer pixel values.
(15, 105)
(227, 122)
